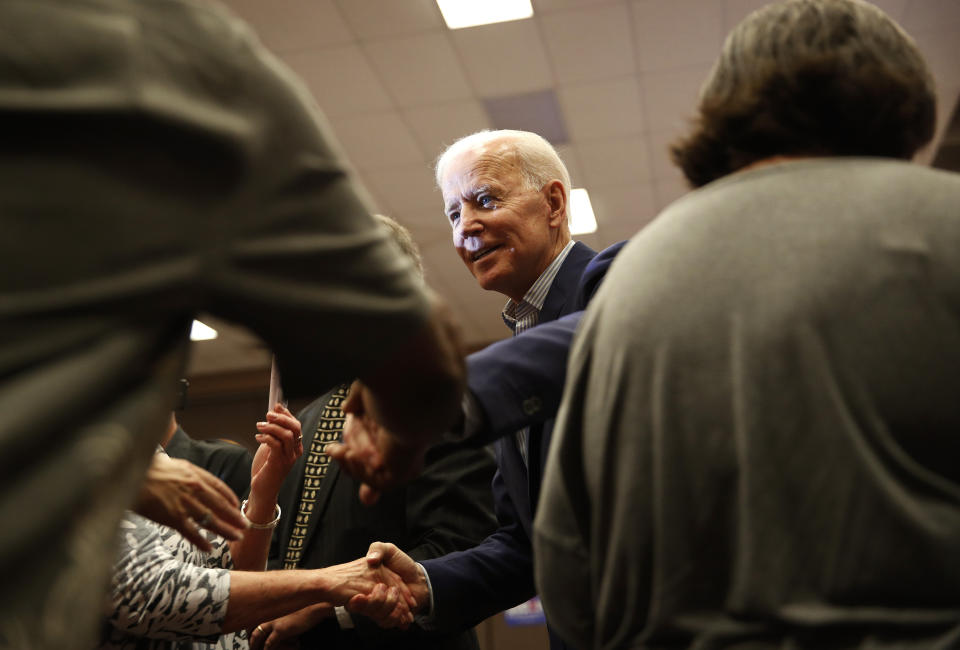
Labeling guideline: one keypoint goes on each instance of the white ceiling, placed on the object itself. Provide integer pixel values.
(397, 86)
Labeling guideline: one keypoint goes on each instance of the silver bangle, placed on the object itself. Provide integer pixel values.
(267, 526)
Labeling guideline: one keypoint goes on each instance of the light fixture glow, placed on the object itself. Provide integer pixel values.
(469, 13)
(582, 220)
(202, 332)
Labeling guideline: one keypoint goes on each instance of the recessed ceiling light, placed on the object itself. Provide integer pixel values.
(582, 220)
(469, 13)
(202, 332)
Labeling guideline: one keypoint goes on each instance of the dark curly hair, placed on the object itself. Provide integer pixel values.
(810, 78)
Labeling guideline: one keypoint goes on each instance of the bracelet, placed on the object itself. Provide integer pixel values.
(267, 526)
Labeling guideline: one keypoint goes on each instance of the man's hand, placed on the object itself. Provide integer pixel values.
(178, 494)
(285, 631)
(371, 454)
(385, 595)
(388, 556)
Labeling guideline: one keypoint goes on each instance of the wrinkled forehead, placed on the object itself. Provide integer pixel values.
(493, 164)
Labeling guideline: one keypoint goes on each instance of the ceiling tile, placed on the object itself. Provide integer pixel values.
(677, 33)
(614, 161)
(597, 110)
(418, 70)
(894, 8)
(660, 160)
(503, 58)
(941, 49)
(589, 44)
(544, 6)
(538, 111)
(568, 154)
(736, 10)
(931, 15)
(341, 80)
(669, 191)
(376, 140)
(439, 125)
(670, 97)
(622, 210)
(409, 190)
(378, 18)
(290, 25)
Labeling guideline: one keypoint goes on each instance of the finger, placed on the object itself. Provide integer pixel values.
(191, 532)
(403, 615)
(354, 401)
(375, 555)
(256, 638)
(210, 513)
(386, 602)
(284, 418)
(275, 445)
(221, 488)
(337, 451)
(368, 494)
(195, 480)
(219, 499)
(287, 438)
(376, 607)
(361, 604)
(273, 640)
(400, 615)
(394, 580)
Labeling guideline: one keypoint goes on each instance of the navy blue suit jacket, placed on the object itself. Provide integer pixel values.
(517, 382)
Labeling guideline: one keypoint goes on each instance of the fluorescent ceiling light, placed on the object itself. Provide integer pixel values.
(582, 220)
(468, 13)
(202, 332)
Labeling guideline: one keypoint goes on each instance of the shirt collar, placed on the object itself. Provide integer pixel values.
(533, 299)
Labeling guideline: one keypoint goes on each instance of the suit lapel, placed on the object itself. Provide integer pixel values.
(560, 298)
(560, 301)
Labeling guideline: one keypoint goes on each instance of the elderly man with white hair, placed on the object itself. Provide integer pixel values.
(506, 195)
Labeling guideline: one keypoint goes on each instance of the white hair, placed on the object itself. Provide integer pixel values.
(537, 160)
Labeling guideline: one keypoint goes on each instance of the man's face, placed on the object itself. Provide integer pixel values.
(501, 229)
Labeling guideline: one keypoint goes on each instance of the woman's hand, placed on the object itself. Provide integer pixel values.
(281, 444)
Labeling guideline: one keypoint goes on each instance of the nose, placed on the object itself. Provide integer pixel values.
(468, 228)
(470, 221)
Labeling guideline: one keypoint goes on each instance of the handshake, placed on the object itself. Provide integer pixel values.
(386, 586)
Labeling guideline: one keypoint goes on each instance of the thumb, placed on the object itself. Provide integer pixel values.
(375, 555)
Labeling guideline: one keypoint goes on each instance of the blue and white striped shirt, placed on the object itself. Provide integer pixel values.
(521, 316)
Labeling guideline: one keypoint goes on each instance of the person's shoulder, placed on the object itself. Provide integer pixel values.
(594, 272)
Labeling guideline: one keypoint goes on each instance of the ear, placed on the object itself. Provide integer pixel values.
(557, 199)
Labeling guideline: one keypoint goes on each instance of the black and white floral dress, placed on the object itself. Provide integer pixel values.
(166, 594)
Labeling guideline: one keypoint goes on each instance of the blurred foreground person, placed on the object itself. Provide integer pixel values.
(758, 439)
(157, 162)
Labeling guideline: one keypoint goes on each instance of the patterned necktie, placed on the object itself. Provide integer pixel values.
(329, 429)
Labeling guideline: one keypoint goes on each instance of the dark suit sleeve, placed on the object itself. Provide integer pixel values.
(470, 586)
(519, 381)
(449, 508)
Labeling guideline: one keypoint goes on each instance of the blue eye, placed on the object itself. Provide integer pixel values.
(486, 200)
(454, 217)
